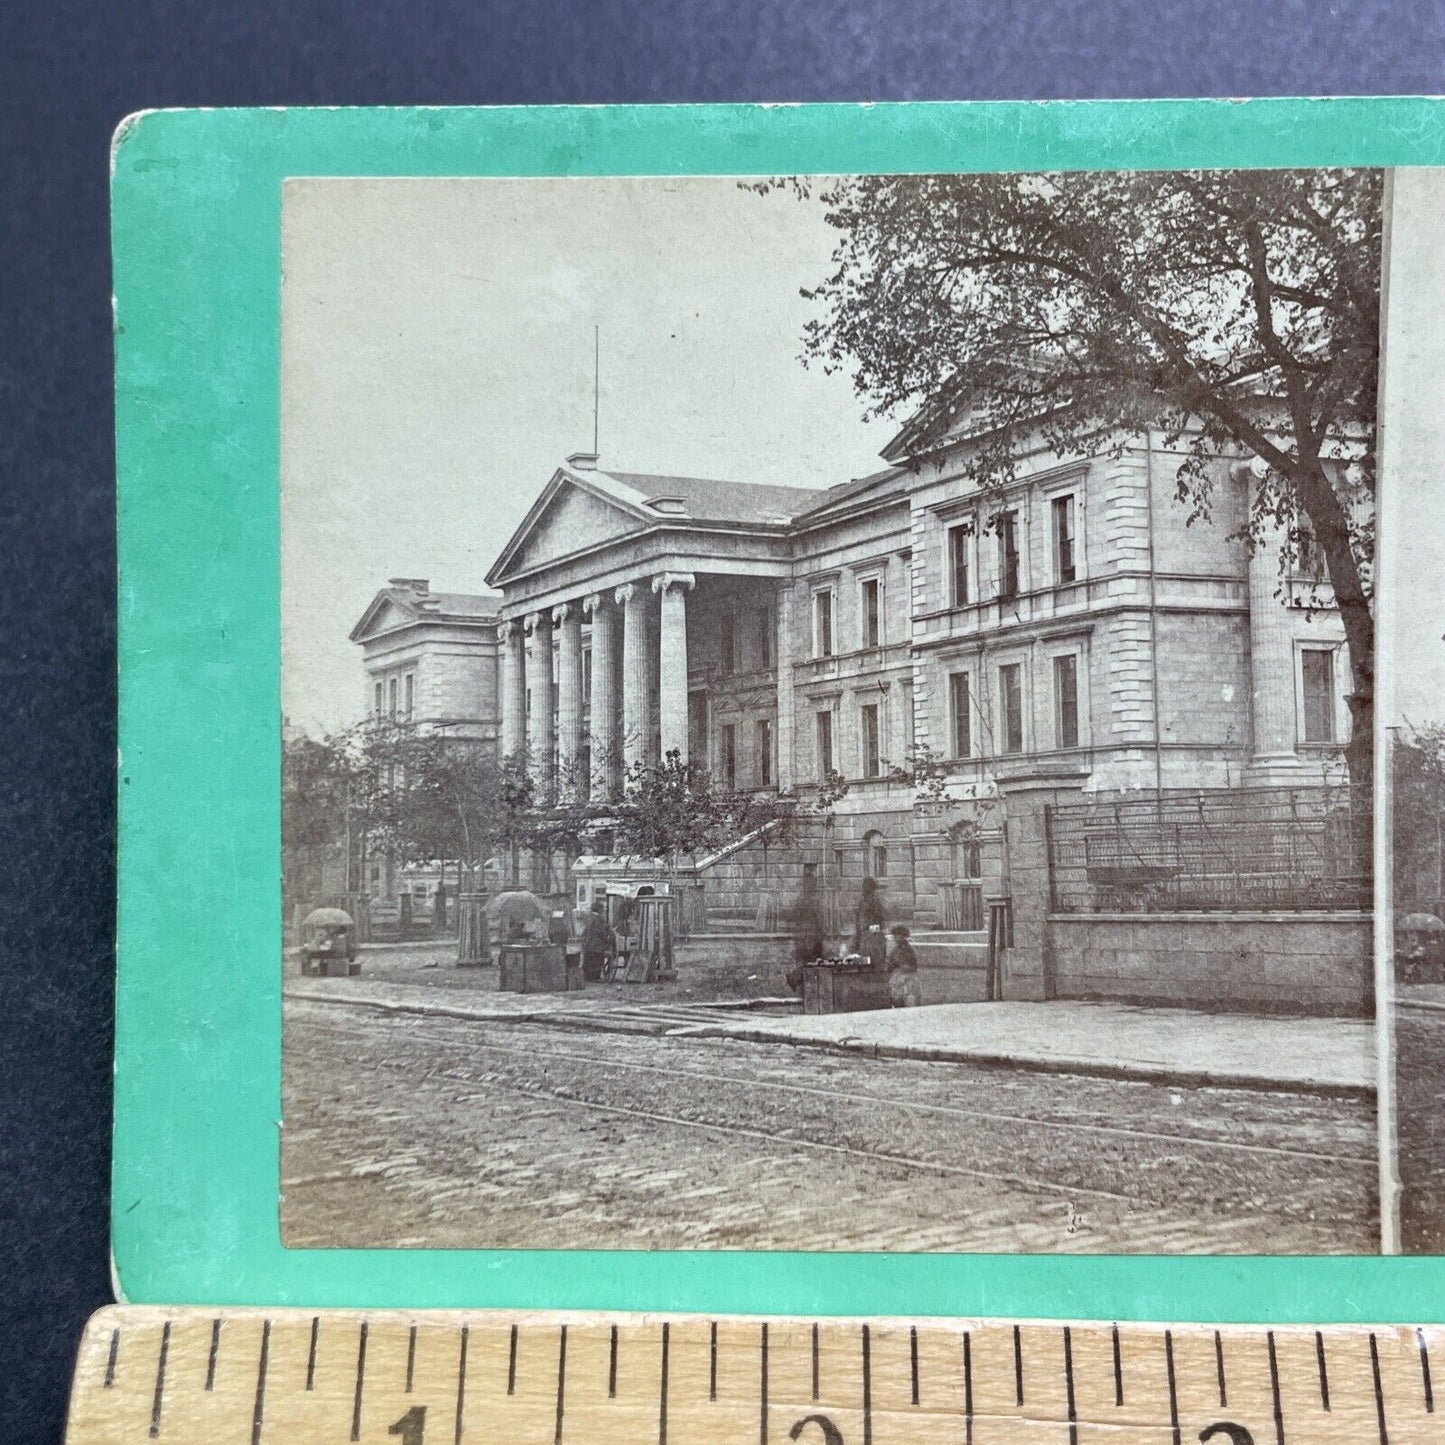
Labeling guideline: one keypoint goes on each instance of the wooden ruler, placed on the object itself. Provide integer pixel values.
(289, 1377)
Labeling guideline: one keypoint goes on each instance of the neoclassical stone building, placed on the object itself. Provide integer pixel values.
(1071, 637)
(1073, 626)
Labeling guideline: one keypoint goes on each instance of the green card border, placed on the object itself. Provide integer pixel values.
(196, 212)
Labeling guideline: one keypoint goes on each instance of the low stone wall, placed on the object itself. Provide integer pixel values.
(952, 967)
(1305, 963)
(732, 950)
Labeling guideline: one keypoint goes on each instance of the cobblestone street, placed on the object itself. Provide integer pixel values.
(403, 1130)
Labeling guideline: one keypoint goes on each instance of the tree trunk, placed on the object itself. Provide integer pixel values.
(1332, 533)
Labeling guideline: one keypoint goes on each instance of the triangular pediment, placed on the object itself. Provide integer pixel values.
(572, 514)
(384, 614)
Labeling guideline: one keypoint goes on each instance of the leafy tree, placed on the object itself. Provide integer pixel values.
(676, 809)
(1236, 310)
(317, 783)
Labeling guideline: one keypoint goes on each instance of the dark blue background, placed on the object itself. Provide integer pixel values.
(68, 73)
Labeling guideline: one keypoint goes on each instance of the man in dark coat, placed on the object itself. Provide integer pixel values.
(870, 911)
(597, 943)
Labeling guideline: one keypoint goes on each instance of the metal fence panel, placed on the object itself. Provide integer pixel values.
(1240, 849)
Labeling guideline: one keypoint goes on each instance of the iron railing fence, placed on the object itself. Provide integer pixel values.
(1237, 849)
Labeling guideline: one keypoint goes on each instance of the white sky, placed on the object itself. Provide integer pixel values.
(437, 366)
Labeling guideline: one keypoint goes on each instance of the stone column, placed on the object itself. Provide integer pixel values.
(540, 733)
(514, 688)
(1273, 759)
(783, 668)
(635, 683)
(604, 692)
(673, 588)
(567, 617)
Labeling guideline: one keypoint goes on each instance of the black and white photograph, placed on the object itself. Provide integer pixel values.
(836, 713)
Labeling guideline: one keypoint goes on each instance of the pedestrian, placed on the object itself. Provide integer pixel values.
(875, 949)
(597, 943)
(903, 987)
(870, 911)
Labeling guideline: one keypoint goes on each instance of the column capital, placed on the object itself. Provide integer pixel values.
(561, 612)
(507, 630)
(593, 603)
(664, 580)
(537, 621)
(625, 593)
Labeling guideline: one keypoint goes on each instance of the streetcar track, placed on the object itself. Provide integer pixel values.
(912, 1106)
(478, 1086)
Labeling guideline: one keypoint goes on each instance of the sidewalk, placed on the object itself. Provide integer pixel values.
(1310, 1055)
(1314, 1055)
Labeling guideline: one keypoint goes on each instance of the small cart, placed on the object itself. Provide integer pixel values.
(328, 944)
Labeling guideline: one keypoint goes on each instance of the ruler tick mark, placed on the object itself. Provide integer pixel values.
(258, 1411)
(311, 1356)
(1274, 1389)
(461, 1386)
(967, 1389)
(159, 1396)
(410, 1357)
(1069, 1386)
(712, 1362)
(867, 1389)
(612, 1366)
(913, 1358)
(1379, 1390)
(360, 1374)
(815, 1361)
(1118, 1367)
(1219, 1370)
(561, 1383)
(1018, 1367)
(1425, 1372)
(763, 1382)
(215, 1349)
(662, 1393)
(512, 1363)
(1324, 1372)
(110, 1362)
(1173, 1387)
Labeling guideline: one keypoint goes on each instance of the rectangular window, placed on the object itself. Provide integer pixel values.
(410, 695)
(380, 700)
(1062, 510)
(823, 623)
(825, 745)
(765, 752)
(729, 646)
(869, 600)
(1310, 561)
(958, 540)
(1008, 555)
(728, 754)
(1319, 690)
(391, 691)
(960, 720)
(1011, 708)
(868, 717)
(765, 639)
(1066, 701)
